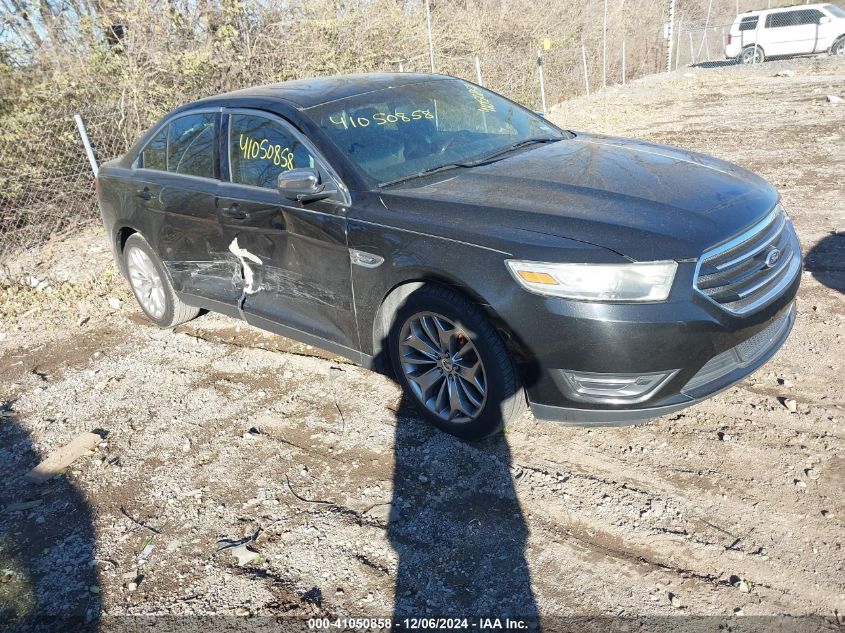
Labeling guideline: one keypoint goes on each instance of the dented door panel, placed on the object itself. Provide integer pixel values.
(294, 262)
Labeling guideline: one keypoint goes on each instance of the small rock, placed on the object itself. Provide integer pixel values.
(94, 589)
(3, 336)
(338, 591)
(834, 99)
(790, 404)
(423, 479)
(812, 473)
(785, 73)
(241, 612)
(114, 303)
(674, 600)
(738, 611)
(800, 483)
(132, 586)
(744, 586)
(82, 321)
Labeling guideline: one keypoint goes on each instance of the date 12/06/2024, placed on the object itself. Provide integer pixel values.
(419, 624)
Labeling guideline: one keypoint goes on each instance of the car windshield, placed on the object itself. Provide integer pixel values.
(404, 131)
(835, 10)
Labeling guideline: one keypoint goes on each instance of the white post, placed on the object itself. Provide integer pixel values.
(88, 149)
(542, 83)
(584, 60)
(604, 49)
(678, 47)
(671, 35)
(756, 39)
(430, 41)
(401, 68)
(623, 62)
(478, 70)
(691, 52)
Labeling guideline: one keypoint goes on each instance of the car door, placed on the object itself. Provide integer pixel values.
(294, 256)
(178, 193)
(791, 32)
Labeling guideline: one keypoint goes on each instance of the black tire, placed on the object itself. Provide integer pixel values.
(505, 399)
(175, 311)
(749, 53)
(838, 47)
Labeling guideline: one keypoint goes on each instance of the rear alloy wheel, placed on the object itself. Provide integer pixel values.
(752, 55)
(838, 47)
(454, 364)
(151, 286)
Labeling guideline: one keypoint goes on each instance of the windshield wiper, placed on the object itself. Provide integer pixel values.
(473, 163)
(510, 148)
(424, 172)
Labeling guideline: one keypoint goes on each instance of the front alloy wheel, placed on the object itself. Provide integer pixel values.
(454, 364)
(443, 367)
(838, 47)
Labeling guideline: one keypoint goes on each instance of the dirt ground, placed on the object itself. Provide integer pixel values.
(217, 432)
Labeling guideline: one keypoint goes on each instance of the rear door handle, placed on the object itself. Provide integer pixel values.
(235, 212)
(145, 194)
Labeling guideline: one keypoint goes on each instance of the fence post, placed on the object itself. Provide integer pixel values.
(604, 49)
(401, 68)
(691, 51)
(623, 62)
(430, 42)
(756, 39)
(584, 60)
(87, 143)
(478, 70)
(678, 47)
(542, 83)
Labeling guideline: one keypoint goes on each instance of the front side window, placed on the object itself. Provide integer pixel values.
(260, 149)
(809, 16)
(402, 131)
(190, 145)
(835, 10)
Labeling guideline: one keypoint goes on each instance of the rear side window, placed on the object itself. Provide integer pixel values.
(748, 24)
(155, 153)
(835, 10)
(260, 149)
(190, 145)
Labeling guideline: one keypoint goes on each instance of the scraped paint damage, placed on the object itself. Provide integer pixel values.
(249, 277)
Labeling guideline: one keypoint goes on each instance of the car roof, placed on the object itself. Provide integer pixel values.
(795, 7)
(306, 93)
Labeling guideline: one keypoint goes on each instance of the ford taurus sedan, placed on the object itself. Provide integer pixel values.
(425, 226)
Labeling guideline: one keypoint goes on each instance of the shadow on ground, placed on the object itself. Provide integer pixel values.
(48, 576)
(826, 261)
(456, 526)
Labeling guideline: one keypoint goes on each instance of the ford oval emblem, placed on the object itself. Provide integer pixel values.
(772, 257)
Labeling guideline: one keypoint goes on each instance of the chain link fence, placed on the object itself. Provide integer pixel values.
(46, 182)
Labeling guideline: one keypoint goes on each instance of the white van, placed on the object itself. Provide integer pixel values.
(799, 30)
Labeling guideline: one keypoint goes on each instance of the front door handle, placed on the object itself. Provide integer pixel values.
(144, 194)
(235, 212)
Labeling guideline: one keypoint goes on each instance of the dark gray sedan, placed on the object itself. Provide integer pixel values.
(425, 226)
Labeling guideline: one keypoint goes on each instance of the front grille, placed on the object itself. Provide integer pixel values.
(746, 273)
(744, 354)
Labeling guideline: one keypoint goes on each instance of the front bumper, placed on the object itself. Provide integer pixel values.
(718, 374)
(698, 346)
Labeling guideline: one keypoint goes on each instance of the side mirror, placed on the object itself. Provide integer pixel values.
(303, 185)
(825, 19)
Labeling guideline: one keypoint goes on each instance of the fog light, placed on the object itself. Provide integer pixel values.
(610, 388)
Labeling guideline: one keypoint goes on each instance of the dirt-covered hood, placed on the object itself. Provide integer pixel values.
(645, 201)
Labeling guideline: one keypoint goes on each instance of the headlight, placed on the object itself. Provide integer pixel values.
(643, 281)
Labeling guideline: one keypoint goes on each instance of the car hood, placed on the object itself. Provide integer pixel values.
(641, 200)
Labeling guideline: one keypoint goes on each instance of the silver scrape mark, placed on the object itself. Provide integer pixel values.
(249, 278)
